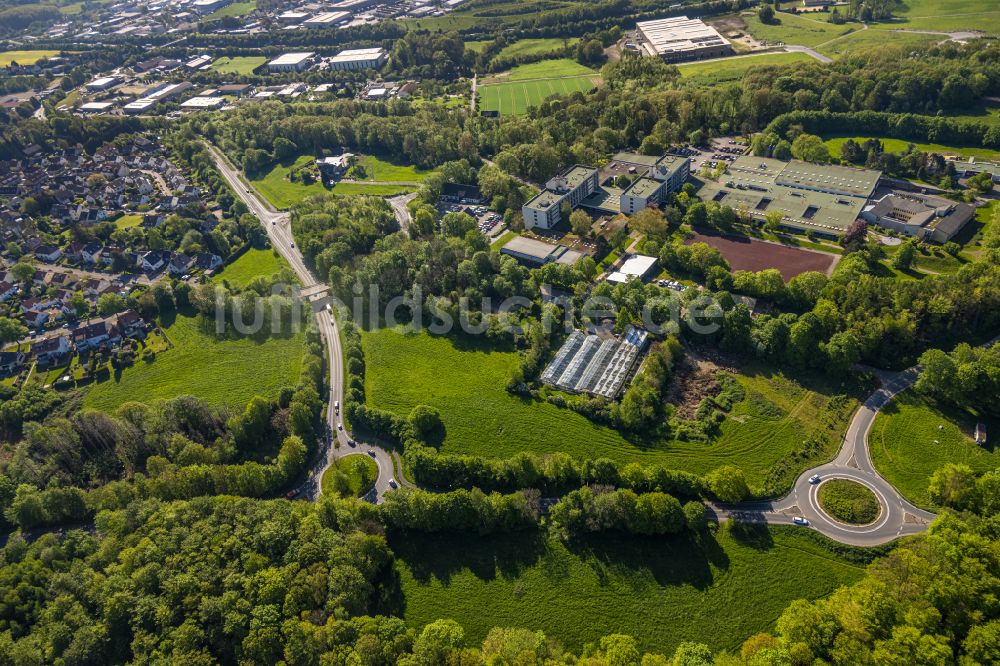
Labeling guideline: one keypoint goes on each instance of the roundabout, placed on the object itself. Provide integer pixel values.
(848, 502)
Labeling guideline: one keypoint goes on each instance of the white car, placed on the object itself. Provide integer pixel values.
(814, 479)
(799, 520)
(340, 426)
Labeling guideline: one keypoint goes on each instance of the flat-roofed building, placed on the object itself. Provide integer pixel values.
(209, 6)
(636, 267)
(642, 193)
(572, 187)
(96, 107)
(679, 38)
(372, 58)
(327, 20)
(203, 103)
(536, 253)
(139, 106)
(823, 198)
(922, 216)
(292, 17)
(103, 83)
(291, 62)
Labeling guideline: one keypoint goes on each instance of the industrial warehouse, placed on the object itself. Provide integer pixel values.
(679, 38)
(589, 364)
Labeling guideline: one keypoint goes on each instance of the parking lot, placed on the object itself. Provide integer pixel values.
(723, 149)
(490, 224)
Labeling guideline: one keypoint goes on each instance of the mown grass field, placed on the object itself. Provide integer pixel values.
(281, 192)
(875, 39)
(732, 69)
(252, 263)
(385, 169)
(524, 86)
(222, 371)
(944, 15)
(849, 502)
(466, 383)
(235, 9)
(238, 65)
(900, 145)
(353, 485)
(24, 57)
(478, 46)
(799, 30)
(907, 445)
(128, 221)
(372, 190)
(663, 591)
(524, 47)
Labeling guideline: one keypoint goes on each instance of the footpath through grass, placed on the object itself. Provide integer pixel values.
(849, 502)
(912, 437)
(718, 590)
(222, 371)
(763, 435)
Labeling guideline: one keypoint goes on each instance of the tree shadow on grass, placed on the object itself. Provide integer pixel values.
(756, 535)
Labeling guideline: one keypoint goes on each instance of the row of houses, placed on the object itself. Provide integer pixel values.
(91, 335)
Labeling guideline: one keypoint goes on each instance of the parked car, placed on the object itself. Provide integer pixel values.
(292, 494)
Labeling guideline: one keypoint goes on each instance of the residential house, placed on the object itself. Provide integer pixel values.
(206, 261)
(180, 263)
(11, 362)
(154, 260)
(92, 335)
(7, 291)
(48, 253)
(51, 350)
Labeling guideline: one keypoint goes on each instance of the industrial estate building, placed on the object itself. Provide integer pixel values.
(291, 62)
(535, 253)
(922, 216)
(359, 59)
(823, 198)
(654, 178)
(589, 364)
(327, 20)
(679, 38)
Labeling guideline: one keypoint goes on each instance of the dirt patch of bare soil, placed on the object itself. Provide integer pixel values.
(694, 380)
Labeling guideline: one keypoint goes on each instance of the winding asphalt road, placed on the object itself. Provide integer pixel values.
(338, 442)
(898, 517)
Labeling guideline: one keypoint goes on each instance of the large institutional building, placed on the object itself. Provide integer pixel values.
(679, 38)
(823, 198)
(654, 178)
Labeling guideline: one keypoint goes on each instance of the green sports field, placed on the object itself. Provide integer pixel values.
(238, 65)
(717, 590)
(524, 86)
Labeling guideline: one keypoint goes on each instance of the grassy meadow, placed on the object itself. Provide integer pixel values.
(251, 264)
(357, 474)
(899, 145)
(912, 437)
(733, 69)
(24, 57)
(466, 383)
(531, 47)
(718, 590)
(222, 371)
(238, 65)
(281, 192)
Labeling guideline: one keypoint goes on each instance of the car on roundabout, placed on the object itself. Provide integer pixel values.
(799, 520)
(814, 479)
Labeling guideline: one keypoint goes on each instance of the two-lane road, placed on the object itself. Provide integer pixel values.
(337, 445)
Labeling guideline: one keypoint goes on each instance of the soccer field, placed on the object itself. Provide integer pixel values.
(515, 97)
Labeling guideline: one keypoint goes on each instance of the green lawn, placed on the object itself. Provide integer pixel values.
(128, 221)
(796, 30)
(235, 9)
(548, 69)
(281, 192)
(357, 474)
(350, 189)
(466, 383)
(875, 39)
(849, 501)
(899, 145)
(478, 46)
(903, 447)
(250, 264)
(945, 15)
(732, 69)
(24, 57)
(239, 65)
(524, 47)
(385, 169)
(663, 591)
(222, 371)
(503, 239)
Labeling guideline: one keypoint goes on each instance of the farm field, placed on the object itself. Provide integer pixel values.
(524, 47)
(24, 57)
(732, 69)
(466, 381)
(281, 192)
(222, 371)
(524, 86)
(899, 145)
(747, 254)
(357, 474)
(903, 448)
(661, 590)
(239, 64)
(251, 264)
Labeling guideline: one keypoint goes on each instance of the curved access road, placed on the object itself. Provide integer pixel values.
(337, 443)
(898, 517)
